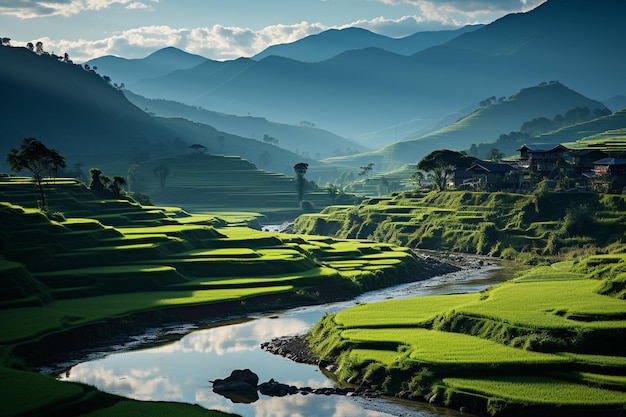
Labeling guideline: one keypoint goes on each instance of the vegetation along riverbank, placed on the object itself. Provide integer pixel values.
(549, 342)
(96, 265)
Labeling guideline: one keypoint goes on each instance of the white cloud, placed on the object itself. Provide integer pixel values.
(441, 10)
(216, 42)
(230, 42)
(404, 26)
(29, 9)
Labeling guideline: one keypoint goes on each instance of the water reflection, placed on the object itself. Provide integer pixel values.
(181, 371)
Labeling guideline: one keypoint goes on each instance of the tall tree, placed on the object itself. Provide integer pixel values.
(35, 157)
(300, 169)
(161, 171)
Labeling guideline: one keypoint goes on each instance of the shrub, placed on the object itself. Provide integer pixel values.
(57, 216)
(142, 198)
(307, 206)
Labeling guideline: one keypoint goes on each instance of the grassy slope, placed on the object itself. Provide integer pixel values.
(514, 226)
(549, 327)
(114, 258)
(562, 325)
(483, 125)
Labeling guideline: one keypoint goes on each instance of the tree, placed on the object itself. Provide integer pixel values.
(116, 185)
(39, 48)
(30, 46)
(95, 180)
(441, 164)
(198, 149)
(366, 170)
(5, 41)
(35, 157)
(416, 178)
(494, 155)
(333, 192)
(161, 171)
(270, 139)
(300, 169)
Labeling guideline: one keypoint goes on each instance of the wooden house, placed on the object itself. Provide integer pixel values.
(542, 159)
(489, 176)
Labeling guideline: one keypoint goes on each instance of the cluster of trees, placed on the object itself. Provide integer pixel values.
(35, 157)
(540, 125)
(270, 139)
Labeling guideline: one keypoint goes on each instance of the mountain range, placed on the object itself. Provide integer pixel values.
(330, 43)
(450, 95)
(157, 64)
(366, 90)
(303, 139)
(90, 122)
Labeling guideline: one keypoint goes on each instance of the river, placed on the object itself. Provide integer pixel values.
(177, 363)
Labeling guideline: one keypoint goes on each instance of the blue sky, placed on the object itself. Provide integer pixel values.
(224, 29)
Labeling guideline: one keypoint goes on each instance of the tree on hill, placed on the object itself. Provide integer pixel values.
(441, 164)
(35, 157)
(366, 170)
(300, 169)
(495, 155)
(95, 180)
(416, 178)
(198, 149)
(161, 171)
(117, 184)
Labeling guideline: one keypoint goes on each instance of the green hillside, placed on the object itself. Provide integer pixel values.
(607, 130)
(217, 183)
(549, 342)
(302, 139)
(109, 265)
(484, 125)
(524, 227)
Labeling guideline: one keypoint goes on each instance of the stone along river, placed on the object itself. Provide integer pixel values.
(177, 363)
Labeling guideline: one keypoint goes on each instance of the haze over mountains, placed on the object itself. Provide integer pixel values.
(369, 89)
(485, 124)
(330, 43)
(562, 55)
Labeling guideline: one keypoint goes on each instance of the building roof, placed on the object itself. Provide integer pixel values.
(585, 152)
(610, 161)
(543, 148)
(491, 167)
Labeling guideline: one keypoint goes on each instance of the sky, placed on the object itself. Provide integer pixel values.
(224, 29)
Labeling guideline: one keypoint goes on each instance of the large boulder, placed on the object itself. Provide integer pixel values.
(240, 386)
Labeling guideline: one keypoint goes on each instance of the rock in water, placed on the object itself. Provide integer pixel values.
(240, 386)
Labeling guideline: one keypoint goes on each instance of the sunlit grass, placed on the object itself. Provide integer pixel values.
(539, 391)
(548, 304)
(410, 311)
(435, 347)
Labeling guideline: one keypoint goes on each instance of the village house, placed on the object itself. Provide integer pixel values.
(609, 175)
(542, 159)
(489, 176)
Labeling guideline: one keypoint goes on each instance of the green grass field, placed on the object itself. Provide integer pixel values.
(546, 338)
(111, 259)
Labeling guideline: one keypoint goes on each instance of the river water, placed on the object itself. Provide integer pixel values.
(180, 361)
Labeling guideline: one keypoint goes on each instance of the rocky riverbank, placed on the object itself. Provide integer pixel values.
(296, 348)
